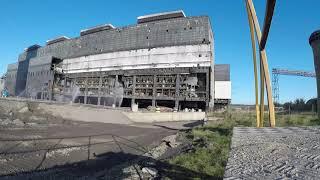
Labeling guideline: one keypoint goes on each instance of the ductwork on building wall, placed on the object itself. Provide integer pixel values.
(95, 29)
(57, 39)
(160, 16)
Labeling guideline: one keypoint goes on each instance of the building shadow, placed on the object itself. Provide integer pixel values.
(104, 166)
(107, 165)
(184, 127)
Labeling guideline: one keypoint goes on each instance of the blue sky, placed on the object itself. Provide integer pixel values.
(23, 23)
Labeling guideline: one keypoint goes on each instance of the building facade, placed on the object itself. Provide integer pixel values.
(166, 59)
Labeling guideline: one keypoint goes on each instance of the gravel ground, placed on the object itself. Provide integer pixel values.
(35, 144)
(61, 148)
(274, 153)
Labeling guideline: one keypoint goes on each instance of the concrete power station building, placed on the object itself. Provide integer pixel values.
(166, 59)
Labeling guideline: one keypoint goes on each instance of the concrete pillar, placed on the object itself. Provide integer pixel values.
(50, 83)
(86, 90)
(99, 89)
(176, 106)
(153, 102)
(210, 88)
(315, 44)
(115, 84)
(134, 79)
(154, 91)
(64, 88)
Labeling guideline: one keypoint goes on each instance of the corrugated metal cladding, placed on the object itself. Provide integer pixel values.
(222, 72)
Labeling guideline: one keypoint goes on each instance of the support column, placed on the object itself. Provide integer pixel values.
(210, 88)
(99, 89)
(64, 88)
(177, 93)
(115, 86)
(134, 79)
(50, 84)
(154, 91)
(85, 90)
(207, 87)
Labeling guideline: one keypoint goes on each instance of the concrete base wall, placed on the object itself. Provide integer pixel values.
(8, 104)
(94, 114)
(149, 117)
(86, 114)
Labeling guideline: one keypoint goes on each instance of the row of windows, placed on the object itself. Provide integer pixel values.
(11, 75)
(39, 73)
(32, 74)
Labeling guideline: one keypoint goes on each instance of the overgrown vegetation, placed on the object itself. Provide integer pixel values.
(211, 143)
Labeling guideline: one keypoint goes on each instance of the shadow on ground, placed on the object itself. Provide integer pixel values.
(182, 126)
(109, 165)
(99, 169)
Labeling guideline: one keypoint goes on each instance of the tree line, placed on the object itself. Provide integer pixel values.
(298, 105)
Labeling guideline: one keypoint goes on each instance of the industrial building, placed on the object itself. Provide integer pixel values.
(166, 59)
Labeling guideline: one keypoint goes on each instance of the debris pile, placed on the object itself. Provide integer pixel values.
(159, 108)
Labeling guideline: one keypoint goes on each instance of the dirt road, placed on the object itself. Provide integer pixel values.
(74, 149)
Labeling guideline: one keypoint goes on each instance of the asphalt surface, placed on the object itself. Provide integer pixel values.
(274, 153)
(76, 149)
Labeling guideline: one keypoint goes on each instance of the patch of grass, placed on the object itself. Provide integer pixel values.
(302, 119)
(211, 148)
(211, 143)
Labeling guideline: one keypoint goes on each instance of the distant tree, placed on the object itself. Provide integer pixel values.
(276, 104)
(298, 105)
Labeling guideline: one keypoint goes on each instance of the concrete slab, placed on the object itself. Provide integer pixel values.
(86, 114)
(56, 151)
(274, 153)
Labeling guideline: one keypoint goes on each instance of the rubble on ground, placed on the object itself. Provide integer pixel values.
(24, 109)
(159, 108)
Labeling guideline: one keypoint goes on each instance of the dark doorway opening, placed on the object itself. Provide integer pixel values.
(144, 103)
(92, 100)
(79, 99)
(165, 103)
(126, 102)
